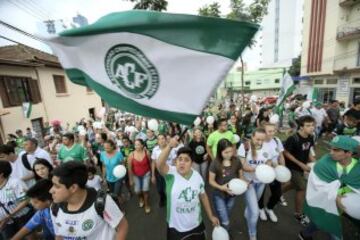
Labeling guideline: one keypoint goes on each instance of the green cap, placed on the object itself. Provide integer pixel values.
(345, 143)
(317, 104)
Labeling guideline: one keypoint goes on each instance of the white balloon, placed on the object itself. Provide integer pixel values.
(82, 132)
(264, 173)
(143, 124)
(283, 174)
(220, 233)
(210, 119)
(102, 112)
(97, 125)
(153, 124)
(351, 203)
(197, 121)
(119, 171)
(80, 128)
(306, 104)
(274, 119)
(236, 138)
(237, 186)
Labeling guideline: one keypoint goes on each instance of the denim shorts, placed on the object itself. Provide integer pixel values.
(142, 184)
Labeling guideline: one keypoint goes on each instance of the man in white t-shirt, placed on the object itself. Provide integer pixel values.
(82, 213)
(160, 181)
(185, 188)
(320, 115)
(19, 171)
(33, 151)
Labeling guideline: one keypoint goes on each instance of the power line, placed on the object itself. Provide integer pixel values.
(35, 8)
(8, 39)
(20, 31)
(26, 10)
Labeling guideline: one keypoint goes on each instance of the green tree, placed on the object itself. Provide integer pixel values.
(254, 13)
(212, 10)
(295, 68)
(155, 5)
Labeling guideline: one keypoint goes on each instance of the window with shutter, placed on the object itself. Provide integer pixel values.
(60, 85)
(16, 90)
(34, 91)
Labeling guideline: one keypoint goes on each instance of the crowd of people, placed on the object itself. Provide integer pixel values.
(63, 186)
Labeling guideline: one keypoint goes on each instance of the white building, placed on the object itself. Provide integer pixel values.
(281, 33)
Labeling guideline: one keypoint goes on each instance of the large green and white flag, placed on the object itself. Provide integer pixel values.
(27, 107)
(313, 95)
(321, 192)
(154, 64)
(287, 88)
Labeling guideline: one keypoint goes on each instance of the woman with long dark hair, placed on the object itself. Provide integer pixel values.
(139, 164)
(224, 168)
(42, 169)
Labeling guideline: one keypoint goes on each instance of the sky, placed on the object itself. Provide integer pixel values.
(27, 14)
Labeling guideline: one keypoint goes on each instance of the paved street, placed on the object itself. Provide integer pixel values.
(153, 226)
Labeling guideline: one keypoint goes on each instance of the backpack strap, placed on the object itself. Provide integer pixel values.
(276, 141)
(100, 202)
(54, 209)
(25, 162)
(246, 147)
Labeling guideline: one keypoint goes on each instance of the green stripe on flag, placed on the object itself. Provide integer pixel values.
(28, 113)
(117, 100)
(206, 34)
(325, 221)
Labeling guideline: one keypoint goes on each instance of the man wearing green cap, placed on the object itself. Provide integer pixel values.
(333, 176)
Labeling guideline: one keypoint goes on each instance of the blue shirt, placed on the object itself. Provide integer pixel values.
(110, 164)
(42, 218)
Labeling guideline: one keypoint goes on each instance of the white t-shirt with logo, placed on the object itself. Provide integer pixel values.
(183, 202)
(262, 156)
(276, 147)
(11, 195)
(86, 223)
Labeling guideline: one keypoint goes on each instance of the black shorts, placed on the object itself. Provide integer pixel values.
(197, 233)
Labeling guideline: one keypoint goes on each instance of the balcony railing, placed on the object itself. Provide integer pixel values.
(349, 31)
(348, 3)
(347, 62)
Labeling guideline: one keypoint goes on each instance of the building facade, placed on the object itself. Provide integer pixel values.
(28, 75)
(281, 33)
(262, 83)
(331, 48)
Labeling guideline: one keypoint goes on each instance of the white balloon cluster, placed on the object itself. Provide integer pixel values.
(282, 173)
(265, 174)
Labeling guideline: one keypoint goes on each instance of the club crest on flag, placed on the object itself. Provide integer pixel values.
(131, 71)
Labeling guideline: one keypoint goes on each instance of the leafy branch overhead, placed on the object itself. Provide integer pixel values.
(155, 5)
(239, 10)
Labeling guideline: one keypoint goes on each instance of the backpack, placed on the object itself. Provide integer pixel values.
(99, 203)
(25, 162)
